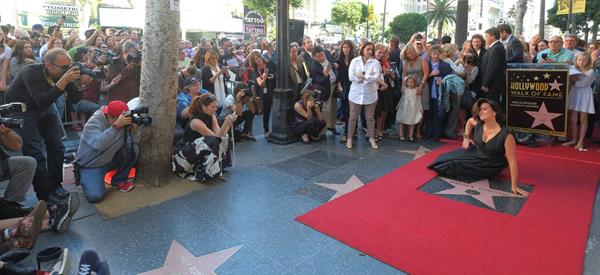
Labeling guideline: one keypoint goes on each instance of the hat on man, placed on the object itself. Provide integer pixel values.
(38, 27)
(115, 108)
(189, 82)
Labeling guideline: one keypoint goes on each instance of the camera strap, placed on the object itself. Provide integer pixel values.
(49, 79)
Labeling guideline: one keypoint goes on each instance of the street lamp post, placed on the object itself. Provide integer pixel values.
(281, 109)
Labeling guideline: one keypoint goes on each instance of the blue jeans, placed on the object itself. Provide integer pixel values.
(87, 107)
(92, 179)
(39, 131)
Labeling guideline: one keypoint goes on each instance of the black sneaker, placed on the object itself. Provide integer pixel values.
(61, 214)
(88, 262)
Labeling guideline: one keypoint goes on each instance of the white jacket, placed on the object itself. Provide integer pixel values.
(364, 92)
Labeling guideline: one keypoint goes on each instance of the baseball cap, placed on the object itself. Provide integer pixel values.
(115, 108)
(190, 81)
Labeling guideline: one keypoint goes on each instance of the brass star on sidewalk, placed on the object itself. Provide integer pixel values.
(181, 262)
(341, 189)
(543, 117)
(479, 190)
(421, 151)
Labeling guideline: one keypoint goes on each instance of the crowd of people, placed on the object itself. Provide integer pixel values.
(420, 89)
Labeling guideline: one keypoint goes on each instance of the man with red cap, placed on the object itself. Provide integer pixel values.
(109, 141)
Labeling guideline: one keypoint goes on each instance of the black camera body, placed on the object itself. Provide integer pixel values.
(95, 74)
(139, 116)
(135, 57)
(6, 109)
(103, 58)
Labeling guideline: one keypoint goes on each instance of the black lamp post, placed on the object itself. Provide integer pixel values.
(282, 107)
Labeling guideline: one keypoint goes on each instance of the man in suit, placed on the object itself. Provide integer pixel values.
(438, 70)
(512, 45)
(307, 49)
(493, 68)
(324, 76)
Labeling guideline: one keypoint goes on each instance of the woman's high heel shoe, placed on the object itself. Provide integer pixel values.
(373, 143)
(349, 143)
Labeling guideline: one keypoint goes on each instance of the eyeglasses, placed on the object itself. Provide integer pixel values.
(63, 67)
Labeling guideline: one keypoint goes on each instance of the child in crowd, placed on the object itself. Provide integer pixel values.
(581, 102)
(410, 110)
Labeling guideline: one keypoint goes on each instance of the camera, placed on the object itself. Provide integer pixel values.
(5, 110)
(248, 93)
(103, 58)
(139, 116)
(95, 74)
(134, 57)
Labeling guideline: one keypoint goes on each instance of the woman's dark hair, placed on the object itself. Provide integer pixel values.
(19, 53)
(480, 37)
(199, 101)
(495, 106)
(80, 53)
(351, 55)
(536, 45)
(365, 45)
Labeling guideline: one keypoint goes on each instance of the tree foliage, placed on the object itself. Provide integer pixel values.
(405, 25)
(268, 8)
(592, 8)
(440, 13)
(350, 14)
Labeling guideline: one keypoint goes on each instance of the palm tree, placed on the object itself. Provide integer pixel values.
(520, 9)
(440, 13)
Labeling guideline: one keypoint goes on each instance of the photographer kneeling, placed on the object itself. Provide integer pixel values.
(308, 120)
(109, 141)
(205, 149)
(242, 106)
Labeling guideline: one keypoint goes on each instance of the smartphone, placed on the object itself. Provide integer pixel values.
(544, 56)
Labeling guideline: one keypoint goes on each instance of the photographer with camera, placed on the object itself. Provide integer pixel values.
(241, 105)
(124, 73)
(308, 120)
(109, 141)
(38, 86)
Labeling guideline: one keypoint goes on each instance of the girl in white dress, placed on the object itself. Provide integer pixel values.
(410, 110)
(580, 100)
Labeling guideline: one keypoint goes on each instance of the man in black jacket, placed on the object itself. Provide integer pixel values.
(323, 75)
(514, 48)
(38, 86)
(493, 67)
(307, 48)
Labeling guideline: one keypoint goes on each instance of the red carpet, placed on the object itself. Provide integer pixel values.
(421, 233)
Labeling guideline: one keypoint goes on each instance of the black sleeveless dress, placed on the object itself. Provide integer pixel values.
(484, 160)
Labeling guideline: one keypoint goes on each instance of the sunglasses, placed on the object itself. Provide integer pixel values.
(63, 67)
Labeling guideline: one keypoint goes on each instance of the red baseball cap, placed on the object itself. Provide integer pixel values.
(115, 108)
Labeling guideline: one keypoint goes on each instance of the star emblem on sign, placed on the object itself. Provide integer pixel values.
(421, 151)
(555, 85)
(351, 184)
(546, 76)
(479, 190)
(543, 117)
(180, 261)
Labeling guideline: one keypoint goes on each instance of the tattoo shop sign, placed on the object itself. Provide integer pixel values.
(254, 24)
(536, 99)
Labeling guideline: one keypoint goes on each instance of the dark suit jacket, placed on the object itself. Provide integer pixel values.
(318, 78)
(514, 51)
(475, 86)
(493, 71)
(307, 58)
(444, 69)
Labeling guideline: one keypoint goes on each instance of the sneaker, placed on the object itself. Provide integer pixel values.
(88, 262)
(126, 186)
(61, 214)
(53, 260)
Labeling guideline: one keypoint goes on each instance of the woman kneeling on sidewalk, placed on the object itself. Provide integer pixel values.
(205, 149)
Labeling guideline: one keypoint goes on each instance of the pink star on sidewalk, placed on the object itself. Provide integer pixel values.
(180, 261)
(543, 117)
(479, 190)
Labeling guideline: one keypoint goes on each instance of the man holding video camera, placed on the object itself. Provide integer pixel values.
(38, 86)
(124, 73)
(109, 141)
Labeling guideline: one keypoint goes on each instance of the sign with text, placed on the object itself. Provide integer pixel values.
(536, 100)
(254, 24)
(563, 6)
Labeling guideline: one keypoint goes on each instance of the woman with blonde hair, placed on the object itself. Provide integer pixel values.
(214, 76)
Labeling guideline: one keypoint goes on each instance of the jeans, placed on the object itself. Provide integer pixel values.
(247, 118)
(92, 179)
(311, 127)
(61, 105)
(41, 130)
(87, 107)
(21, 169)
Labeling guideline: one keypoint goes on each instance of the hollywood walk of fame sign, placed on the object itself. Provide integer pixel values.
(341, 189)
(536, 99)
(181, 262)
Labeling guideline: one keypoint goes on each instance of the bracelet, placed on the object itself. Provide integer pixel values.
(466, 136)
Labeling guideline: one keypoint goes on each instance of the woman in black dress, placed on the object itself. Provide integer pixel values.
(494, 149)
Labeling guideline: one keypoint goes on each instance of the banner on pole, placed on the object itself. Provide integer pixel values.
(536, 100)
(563, 6)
